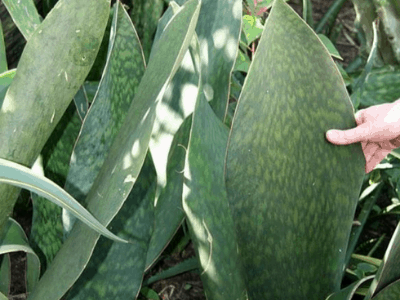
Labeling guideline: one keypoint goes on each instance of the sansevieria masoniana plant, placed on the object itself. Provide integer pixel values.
(125, 159)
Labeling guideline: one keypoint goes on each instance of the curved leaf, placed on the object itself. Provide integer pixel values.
(292, 209)
(20, 176)
(348, 292)
(391, 292)
(389, 270)
(15, 240)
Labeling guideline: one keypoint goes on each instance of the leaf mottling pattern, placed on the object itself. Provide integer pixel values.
(124, 70)
(292, 194)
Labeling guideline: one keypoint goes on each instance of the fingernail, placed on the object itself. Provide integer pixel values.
(332, 134)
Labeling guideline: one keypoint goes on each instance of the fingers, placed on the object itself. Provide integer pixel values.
(375, 159)
(345, 137)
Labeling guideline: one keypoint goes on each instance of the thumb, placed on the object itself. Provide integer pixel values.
(350, 136)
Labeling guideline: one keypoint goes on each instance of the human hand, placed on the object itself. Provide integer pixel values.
(378, 130)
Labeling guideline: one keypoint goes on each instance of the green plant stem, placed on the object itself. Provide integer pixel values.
(329, 18)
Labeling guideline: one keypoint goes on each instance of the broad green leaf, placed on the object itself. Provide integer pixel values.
(391, 292)
(205, 203)
(348, 292)
(24, 15)
(47, 228)
(330, 46)
(293, 211)
(5, 80)
(3, 58)
(126, 155)
(54, 64)
(15, 240)
(252, 28)
(389, 270)
(115, 270)
(124, 69)
(20, 176)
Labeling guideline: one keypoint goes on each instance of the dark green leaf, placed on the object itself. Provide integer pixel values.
(391, 292)
(293, 211)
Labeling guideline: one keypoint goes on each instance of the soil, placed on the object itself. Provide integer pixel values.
(188, 285)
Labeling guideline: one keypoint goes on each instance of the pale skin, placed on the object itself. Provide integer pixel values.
(378, 130)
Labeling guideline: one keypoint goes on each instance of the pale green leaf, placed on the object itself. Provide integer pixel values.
(20, 176)
(330, 46)
(53, 66)
(24, 15)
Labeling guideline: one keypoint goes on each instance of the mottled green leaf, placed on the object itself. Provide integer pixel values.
(54, 64)
(126, 155)
(389, 271)
(293, 211)
(3, 58)
(124, 69)
(145, 15)
(115, 270)
(24, 15)
(206, 206)
(381, 86)
(348, 292)
(252, 28)
(20, 176)
(391, 292)
(15, 240)
(47, 229)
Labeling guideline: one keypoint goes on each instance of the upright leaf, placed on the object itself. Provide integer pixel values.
(206, 206)
(24, 15)
(53, 66)
(124, 70)
(218, 30)
(292, 209)
(126, 155)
